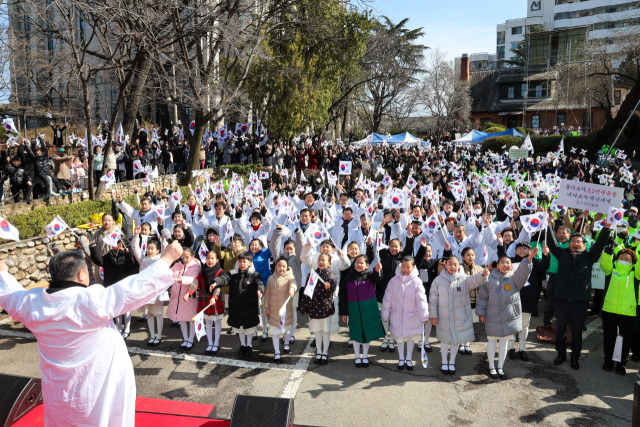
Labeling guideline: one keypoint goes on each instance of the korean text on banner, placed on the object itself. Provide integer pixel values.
(592, 197)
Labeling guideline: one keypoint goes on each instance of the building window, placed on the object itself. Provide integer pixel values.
(538, 91)
(485, 120)
(500, 52)
(535, 122)
(587, 121)
(500, 37)
(511, 92)
(616, 95)
(523, 90)
(516, 30)
(562, 119)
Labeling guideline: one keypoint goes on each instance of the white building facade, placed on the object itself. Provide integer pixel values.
(599, 15)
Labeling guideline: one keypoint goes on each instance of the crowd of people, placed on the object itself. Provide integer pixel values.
(415, 238)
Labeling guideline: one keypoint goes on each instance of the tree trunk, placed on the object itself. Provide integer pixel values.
(194, 146)
(343, 131)
(87, 119)
(139, 80)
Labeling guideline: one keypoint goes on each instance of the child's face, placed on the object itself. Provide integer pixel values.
(324, 262)
(469, 257)
(187, 258)
(281, 267)
(152, 250)
(178, 233)
(361, 265)
(452, 265)
(407, 268)
(210, 237)
(394, 247)
(254, 247)
(237, 244)
(326, 249)
(145, 230)
(243, 264)
(504, 266)
(353, 250)
(212, 259)
(291, 249)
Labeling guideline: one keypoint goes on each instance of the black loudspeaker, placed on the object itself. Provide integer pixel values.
(255, 411)
(18, 395)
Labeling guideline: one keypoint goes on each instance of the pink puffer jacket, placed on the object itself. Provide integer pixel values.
(178, 309)
(405, 304)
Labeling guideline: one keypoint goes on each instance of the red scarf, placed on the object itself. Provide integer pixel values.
(192, 209)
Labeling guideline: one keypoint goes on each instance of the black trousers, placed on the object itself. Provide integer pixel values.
(596, 307)
(26, 190)
(610, 324)
(572, 313)
(550, 303)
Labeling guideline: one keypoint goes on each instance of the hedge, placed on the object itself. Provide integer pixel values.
(628, 141)
(32, 224)
(496, 129)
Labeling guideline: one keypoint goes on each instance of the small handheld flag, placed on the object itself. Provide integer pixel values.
(143, 245)
(8, 231)
(345, 168)
(202, 252)
(311, 284)
(56, 227)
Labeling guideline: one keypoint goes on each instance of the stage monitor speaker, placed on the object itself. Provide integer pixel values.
(256, 411)
(18, 395)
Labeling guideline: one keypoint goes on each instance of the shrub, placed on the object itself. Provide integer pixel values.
(32, 224)
(495, 129)
(487, 125)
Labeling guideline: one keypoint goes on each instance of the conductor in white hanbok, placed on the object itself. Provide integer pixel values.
(87, 375)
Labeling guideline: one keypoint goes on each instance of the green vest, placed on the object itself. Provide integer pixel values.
(621, 295)
(553, 267)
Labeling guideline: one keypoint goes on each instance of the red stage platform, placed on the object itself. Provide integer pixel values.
(152, 413)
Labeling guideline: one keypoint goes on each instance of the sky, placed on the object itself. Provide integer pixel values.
(455, 26)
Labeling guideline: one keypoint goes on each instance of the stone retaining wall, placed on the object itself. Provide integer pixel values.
(28, 261)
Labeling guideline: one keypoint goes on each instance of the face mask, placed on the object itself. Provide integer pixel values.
(621, 229)
(624, 263)
(477, 211)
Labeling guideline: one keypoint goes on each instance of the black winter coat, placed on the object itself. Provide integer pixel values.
(244, 305)
(389, 264)
(321, 305)
(117, 265)
(42, 163)
(431, 265)
(573, 280)
(19, 175)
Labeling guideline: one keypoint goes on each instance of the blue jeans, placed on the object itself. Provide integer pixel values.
(177, 167)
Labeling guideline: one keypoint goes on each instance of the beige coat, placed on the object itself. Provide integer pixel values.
(276, 294)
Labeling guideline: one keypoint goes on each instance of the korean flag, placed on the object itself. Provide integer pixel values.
(56, 227)
(311, 284)
(345, 168)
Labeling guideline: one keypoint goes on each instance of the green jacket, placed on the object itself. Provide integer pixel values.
(553, 267)
(621, 287)
(573, 280)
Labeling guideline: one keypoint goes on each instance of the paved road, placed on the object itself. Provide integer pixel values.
(341, 395)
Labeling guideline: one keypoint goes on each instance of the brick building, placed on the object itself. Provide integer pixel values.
(537, 97)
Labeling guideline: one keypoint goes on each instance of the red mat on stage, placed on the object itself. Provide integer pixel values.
(151, 413)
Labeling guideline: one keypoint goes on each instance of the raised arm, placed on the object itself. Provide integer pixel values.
(522, 273)
(555, 250)
(103, 304)
(598, 246)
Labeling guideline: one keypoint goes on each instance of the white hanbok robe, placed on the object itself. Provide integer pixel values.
(87, 375)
